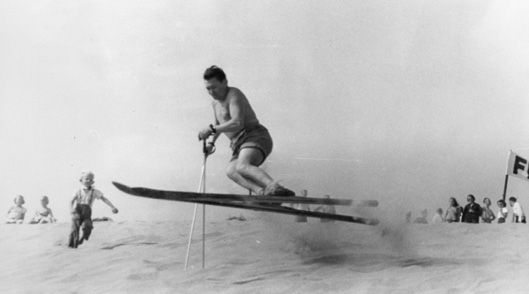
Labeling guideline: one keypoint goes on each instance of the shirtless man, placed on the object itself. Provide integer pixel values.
(250, 141)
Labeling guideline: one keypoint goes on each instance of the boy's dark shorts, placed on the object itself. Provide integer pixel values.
(256, 137)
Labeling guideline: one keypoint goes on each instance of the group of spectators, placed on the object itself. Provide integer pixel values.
(17, 212)
(472, 212)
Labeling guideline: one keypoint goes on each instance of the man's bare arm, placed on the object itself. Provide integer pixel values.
(216, 135)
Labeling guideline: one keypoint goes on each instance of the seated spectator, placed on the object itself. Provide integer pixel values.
(16, 213)
(438, 216)
(518, 215)
(423, 218)
(487, 214)
(453, 212)
(44, 214)
(472, 211)
(502, 212)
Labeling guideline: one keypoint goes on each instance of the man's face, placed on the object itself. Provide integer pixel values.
(216, 89)
(469, 199)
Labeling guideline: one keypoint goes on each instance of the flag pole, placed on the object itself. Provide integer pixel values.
(505, 187)
(506, 176)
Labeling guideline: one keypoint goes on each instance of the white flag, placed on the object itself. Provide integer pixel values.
(518, 166)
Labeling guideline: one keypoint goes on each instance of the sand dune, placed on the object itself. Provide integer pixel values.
(267, 254)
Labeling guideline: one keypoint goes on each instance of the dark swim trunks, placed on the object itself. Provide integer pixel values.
(256, 137)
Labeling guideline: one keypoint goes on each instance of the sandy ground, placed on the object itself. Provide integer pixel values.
(267, 254)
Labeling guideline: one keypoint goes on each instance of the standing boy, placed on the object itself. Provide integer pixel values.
(82, 209)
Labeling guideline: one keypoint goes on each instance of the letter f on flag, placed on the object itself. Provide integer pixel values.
(517, 166)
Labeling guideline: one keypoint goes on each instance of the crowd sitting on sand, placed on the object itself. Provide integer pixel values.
(474, 213)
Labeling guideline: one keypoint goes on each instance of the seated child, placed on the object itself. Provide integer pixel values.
(44, 214)
(502, 212)
(16, 213)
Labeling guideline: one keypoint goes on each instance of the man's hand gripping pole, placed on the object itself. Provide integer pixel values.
(208, 148)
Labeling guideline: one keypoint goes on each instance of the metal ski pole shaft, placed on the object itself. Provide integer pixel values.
(204, 224)
(205, 151)
(201, 188)
(194, 219)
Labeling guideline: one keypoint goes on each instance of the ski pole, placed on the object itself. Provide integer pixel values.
(201, 188)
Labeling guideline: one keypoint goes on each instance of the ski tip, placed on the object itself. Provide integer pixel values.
(119, 186)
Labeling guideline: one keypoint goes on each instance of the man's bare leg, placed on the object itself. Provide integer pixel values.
(248, 174)
(242, 181)
(245, 171)
(248, 166)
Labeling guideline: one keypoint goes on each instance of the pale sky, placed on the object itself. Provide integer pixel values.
(406, 102)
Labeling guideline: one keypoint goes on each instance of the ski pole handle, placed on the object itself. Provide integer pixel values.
(204, 148)
(208, 148)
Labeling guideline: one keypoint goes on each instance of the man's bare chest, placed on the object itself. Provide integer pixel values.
(222, 112)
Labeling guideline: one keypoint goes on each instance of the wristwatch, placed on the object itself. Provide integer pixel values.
(213, 129)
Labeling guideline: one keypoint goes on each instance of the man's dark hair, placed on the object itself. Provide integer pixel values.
(214, 72)
(513, 199)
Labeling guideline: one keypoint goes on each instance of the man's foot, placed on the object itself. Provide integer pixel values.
(274, 189)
